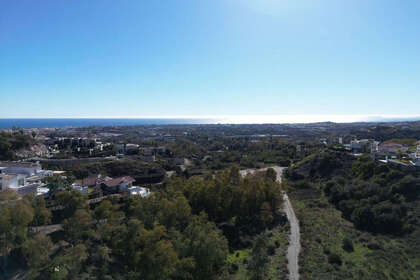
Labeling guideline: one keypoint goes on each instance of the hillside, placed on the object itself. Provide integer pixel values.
(17, 144)
(359, 219)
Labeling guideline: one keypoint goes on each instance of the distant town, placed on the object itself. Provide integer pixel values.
(157, 146)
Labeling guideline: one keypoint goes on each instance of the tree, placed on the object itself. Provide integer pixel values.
(42, 216)
(348, 245)
(259, 258)
(206, 244)
(14, 221)
(234, 175)
(21, 214)
(175, 213)
(78, 226)
(335, 258)
(71, 201)
(108, 210)
(271, 174)
(58, 183)
(266, 214)
(78, 255)
(36, 251)
(158, 258)
(8, 194)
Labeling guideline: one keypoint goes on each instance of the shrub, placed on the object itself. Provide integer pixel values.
(334, 258)
(348, 245)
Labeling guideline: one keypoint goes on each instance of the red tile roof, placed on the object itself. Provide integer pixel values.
(117, 181)
(87, 182)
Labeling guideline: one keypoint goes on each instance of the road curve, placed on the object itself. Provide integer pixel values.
(294, 238)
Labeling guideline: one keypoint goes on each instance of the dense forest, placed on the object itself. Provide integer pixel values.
(193, 229)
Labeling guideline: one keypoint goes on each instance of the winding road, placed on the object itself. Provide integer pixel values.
(294, 238)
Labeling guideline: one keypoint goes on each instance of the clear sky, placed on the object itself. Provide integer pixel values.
(107, 58)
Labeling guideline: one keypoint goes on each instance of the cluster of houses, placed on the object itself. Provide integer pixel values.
(108, 185)
(27, 178)
(23, 177)
(93, 147)
(78, 144)
(387, 152)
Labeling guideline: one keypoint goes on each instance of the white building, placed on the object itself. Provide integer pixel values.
(23, 177)
(143, 192)
(9, 181)
(364, 145)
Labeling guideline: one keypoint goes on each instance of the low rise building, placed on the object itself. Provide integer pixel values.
(135, 190)
(116, 185)
(23, 177)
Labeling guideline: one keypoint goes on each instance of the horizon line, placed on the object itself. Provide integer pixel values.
(255, 119)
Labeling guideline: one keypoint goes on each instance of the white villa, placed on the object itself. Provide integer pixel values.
(23, 177)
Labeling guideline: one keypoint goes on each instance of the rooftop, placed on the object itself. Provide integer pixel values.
(117, 181)
(89, 181)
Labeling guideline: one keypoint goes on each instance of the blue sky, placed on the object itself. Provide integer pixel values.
(107, 58)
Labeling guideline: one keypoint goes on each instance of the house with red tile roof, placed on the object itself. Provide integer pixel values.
(90, 181)
(118, 184)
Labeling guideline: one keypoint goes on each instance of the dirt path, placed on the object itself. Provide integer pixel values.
(294, 237)
(294, 240)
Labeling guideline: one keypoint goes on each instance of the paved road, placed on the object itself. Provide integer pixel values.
(294, 237)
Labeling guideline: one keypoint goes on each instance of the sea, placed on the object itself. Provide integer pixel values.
(51, 123)
(7, 123)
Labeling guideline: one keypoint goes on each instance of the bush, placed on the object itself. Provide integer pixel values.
(374, 245)
(348, 245)
(334, 258)
(271, 249)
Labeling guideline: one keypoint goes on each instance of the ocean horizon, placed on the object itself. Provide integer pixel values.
(8, 123)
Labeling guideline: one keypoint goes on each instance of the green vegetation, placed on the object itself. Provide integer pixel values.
(403, 141)
(359, 219)
(246, 152)
(140, 171)
(12, 142)
(221, 227)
